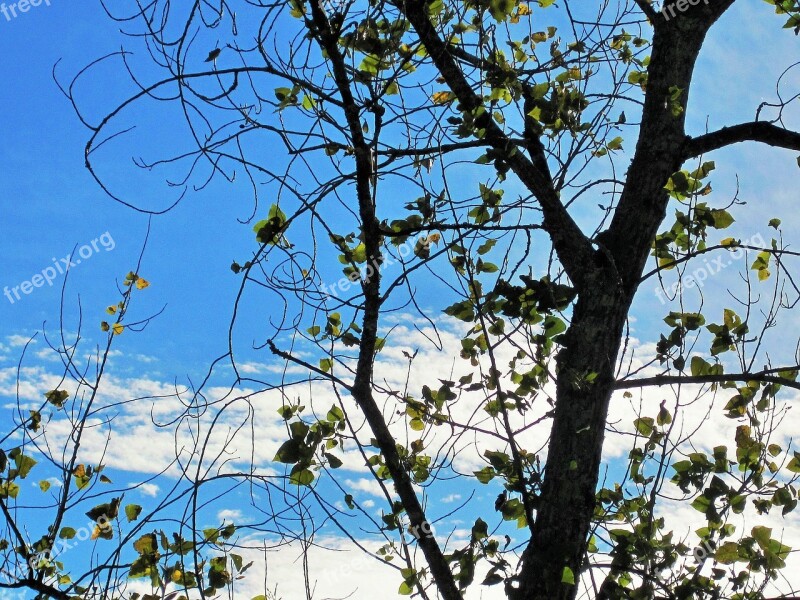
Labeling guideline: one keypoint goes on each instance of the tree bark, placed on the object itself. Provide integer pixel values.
(585, 382)
(586, 365)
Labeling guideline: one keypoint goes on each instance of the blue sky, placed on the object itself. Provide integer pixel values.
(49, 206)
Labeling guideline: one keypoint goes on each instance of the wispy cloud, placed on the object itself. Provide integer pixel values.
(148, 489)
(229, 515)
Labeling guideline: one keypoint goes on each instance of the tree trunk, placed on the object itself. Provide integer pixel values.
(586, 365)
(585, 382)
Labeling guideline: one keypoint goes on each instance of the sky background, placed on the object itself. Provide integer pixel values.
(49, 205)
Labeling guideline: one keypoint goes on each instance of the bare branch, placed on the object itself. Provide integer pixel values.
(757, 131)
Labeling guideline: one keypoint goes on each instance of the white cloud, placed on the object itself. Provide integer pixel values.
(337, 569)
(145, 358)
(16, 341)
(368, 486)
(47, 354)
(229, 515)
(155, 447)
(148, 489)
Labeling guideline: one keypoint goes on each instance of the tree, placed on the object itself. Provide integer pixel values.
(465, 145)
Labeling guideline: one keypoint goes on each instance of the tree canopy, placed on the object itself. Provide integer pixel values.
(492, 180)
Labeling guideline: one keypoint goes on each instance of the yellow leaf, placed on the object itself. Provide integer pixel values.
(523, 9)
(729, 241)
(763, 274)
(111, 310)
(80, 471)
(442, 97)
(104, 326)
(434, 238)
(142, 283)
(666, 263)
(118, 328)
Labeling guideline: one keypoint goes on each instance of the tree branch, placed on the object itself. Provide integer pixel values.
(362, 388)
(37, 586)
(647, 9)
(766, 376)
(307, 365)
(757, 131)
(572, 246)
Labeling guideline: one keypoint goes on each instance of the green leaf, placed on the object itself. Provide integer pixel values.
(762, 535)
(486, 246)
(107, 511)
(268, 231)
(326, 364)
(57, 397)
(761, 264)
(794, 464)
(335, 414)
(333, 461)
(308, 102)
(480, 531)
(644, 425)
(9, 489)
(23, 462)
(290, 452)
(44, 485)
(132, 512)
(567, 576)
(727, 553)
(416, 424)
(553, 326)
(485, 475)
(67, 533)
(360, 253)
(701, 504)
(370, 65)
(664, 416)
(282, 93)
(699, 366)
(146, 545)
(615, 144)
(482, 267)
(301, 476)
(722, 219)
